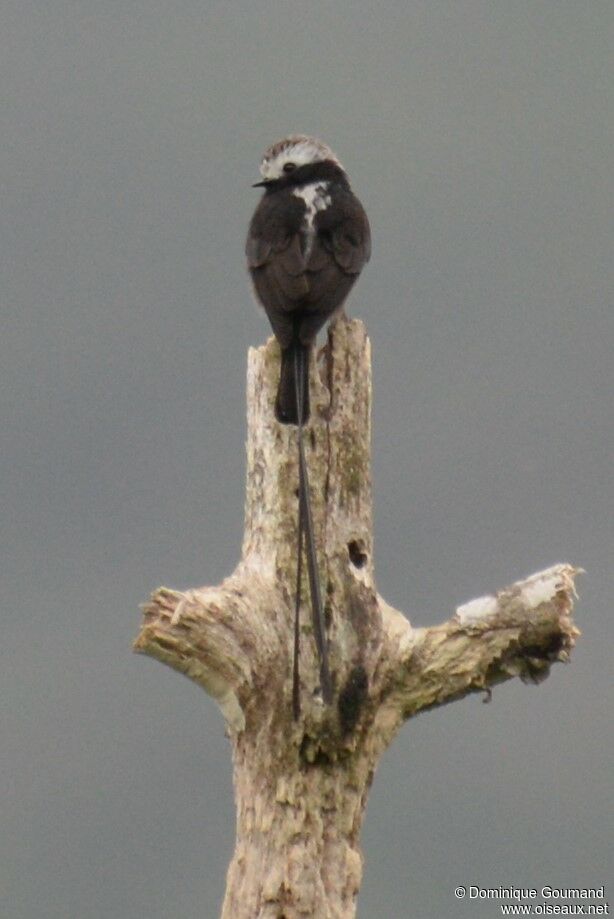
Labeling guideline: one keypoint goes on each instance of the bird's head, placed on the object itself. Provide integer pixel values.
(293, 153)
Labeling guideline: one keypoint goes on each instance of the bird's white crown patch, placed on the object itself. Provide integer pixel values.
(298, 149)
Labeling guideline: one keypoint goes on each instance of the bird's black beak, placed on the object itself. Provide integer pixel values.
(263, 184)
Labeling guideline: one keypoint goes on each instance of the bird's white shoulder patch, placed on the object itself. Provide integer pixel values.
(316, 198)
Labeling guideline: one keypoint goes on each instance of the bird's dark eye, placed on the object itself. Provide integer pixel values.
(289, 167)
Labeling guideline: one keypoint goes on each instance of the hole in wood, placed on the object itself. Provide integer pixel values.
(358, 556)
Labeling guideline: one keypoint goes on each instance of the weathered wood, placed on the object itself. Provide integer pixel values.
(301, 788)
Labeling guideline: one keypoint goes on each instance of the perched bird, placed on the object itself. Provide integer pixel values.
(307, 243)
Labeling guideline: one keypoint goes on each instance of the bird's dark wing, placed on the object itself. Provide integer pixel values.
(273, 249)
(343, 232)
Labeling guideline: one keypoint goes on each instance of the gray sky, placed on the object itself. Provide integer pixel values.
(478, 135)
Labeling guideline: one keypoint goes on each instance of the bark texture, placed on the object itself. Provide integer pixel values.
(301, 788)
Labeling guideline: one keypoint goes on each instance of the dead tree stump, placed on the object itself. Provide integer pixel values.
(301, 788)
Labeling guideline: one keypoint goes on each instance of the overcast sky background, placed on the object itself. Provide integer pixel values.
(478, 135)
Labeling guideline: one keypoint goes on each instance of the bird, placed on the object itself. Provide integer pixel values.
(308, 241)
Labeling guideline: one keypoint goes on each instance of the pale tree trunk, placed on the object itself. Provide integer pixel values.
(301, 787)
